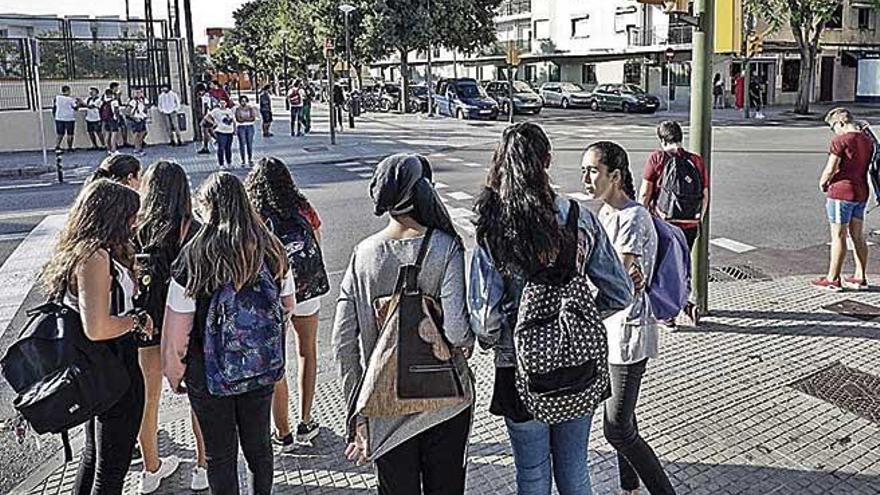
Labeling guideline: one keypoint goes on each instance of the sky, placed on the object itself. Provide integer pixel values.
(206, 13)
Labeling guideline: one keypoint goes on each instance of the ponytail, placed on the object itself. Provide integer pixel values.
(117, 168)
(614, 157)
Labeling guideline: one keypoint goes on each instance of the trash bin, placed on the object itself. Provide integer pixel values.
(355, 106)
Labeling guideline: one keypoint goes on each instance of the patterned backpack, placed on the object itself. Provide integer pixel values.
(304, 254)
(560, 341)
(244, 337)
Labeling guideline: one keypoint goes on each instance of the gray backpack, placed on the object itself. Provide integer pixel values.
(560, 340)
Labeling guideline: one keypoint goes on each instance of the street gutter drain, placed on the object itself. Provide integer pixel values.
(854, 309)
(847, 388)
(736, 273)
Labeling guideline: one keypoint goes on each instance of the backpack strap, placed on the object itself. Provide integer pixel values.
(68, 450)
(411, 282)
(571, 227)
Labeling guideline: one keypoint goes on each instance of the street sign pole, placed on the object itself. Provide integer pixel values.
(701, 133)
(35, 60)
(670, 55)
(328, 55)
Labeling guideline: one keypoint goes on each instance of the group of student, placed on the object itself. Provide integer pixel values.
(201, 291)
(223, 121)
(109, 121)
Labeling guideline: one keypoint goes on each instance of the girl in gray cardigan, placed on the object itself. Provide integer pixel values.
(423, 451)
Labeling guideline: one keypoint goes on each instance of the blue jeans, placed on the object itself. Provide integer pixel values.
(843, 212)
(539, 447)
(245, 142)
(224, 148)
(296, 121)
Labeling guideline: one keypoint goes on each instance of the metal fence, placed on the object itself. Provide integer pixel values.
(84, 53)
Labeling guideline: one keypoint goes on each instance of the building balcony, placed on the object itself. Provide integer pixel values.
(673, 35)
(499, 48)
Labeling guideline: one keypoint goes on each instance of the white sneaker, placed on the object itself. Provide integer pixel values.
(150, 482)
(199, 480)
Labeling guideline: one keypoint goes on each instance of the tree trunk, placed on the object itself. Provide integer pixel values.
(807, 78)
(404, 80)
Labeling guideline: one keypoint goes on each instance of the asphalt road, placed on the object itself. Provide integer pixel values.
(764, 196)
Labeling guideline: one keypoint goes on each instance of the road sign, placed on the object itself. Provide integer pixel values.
(670, 54)
(328, 46)
(512, 56)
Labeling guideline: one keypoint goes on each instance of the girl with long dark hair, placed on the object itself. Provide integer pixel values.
(230, 293)
(633, 337)
(422, 452)
(520, 229)
(165, 224)
(121, 168)
(284, 207)
(92, 268)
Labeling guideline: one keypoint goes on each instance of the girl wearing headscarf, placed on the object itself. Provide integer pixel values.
(423, 452)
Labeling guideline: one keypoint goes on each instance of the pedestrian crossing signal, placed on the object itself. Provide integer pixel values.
(755, 45)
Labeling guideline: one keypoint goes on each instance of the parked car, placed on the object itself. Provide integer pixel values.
(625, 97)
(390, 97)
(565, 95)
(464, 98)
(525, 100)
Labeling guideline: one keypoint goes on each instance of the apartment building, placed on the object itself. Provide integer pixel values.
(610, 41)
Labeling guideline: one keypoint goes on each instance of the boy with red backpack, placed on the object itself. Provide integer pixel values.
(675, 187)
(295, 97)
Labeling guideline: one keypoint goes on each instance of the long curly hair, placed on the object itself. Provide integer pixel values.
(232, 244)
(272, 190)
(166, 205)
(614, 157)
(516, 210)
(101, 217)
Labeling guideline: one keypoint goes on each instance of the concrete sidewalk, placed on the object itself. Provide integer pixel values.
(724, 407)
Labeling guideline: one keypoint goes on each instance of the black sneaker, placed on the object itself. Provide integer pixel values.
(136, 456)
(306, 432)
(287, 443)
(203, 151)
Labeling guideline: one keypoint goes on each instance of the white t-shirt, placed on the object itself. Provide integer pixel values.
(179, 302)
(169, 102)
(65, 108)
(93, 107)
(224, 118)
(126, 281)
(632, 332)
(138, 109)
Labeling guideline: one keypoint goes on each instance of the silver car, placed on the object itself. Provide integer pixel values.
(564, 94)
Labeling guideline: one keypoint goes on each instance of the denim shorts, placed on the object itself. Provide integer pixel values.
(842, 212)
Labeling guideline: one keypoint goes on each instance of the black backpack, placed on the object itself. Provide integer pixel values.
(304, 254)
(560, 341)
(874, 165)
(62, 378)
(681, 188)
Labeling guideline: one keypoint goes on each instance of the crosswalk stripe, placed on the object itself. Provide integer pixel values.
(473, 165)
(33, 213)
(15, 236)
(19, 272)
(440, 185)
(359, 169)
(454, 160)
(460, 196)
(731, 245)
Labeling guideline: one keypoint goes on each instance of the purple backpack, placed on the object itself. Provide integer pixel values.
(244, 337)
(671, 284)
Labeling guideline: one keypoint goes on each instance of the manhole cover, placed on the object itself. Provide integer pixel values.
(847, 388)
(734, 273)
(315, 149)
(854, 309)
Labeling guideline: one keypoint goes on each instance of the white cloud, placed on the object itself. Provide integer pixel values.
(206, 13)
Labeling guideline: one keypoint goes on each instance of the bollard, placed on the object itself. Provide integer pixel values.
(58, 169)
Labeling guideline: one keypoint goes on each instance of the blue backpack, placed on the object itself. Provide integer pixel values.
(671, 283)
(244, 337)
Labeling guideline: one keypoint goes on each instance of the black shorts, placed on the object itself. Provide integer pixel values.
(63, 127)
(93, 126)
(137, 125)
(111, 125)
(266, 115)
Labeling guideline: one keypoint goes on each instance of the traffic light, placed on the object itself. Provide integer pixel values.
(755, 45)
(670, 6)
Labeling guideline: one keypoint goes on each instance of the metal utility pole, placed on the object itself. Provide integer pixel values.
(701, 133)
(428, 74)
(328, 54)
(348, 9)
(191, 68)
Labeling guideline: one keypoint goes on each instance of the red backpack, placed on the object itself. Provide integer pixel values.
(295, 98)
(106, 110)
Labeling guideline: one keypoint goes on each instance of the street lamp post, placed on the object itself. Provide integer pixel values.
(348, 9)
(430, 76)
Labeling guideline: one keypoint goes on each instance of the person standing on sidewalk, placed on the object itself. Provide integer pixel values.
(64, 110)
(122, 125)
(424, 452)
(222, 123)
(266, 109)
(675, 186)
(245, 118)
(169, 107)
(91, 267)
(632, 333)
(845, 182)
(290, 216)
(232, 266)
(718, 91)
(338, 103)
(93, 118)
(308, 97)
(205, 105)
(137, 113)
(521, 230)
(165, 225)
(295, 98)
(109, 112)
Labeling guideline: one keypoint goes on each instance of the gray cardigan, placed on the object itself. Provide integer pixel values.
(371, 274)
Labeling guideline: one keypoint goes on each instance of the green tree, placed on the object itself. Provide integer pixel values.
(807, 20)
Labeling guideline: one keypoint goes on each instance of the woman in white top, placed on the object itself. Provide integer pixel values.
(91, 267)
(93, 118)
(245, 117)
(222, 119)
(632, 333)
